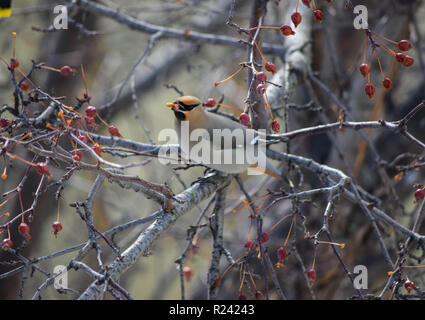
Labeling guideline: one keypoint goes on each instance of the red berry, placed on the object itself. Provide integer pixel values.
(91, 111)
(318, 15)
(78, 155)
(244, 119)
(42, 168)
(296, 18)
(187, 272)
(242, 297)
(387, 83)
(113, 131)
(370, 90)
(210, 103)
(259, 295)
(400, 57)
(264, 237)
(82, 138)
(96, 148)
(6, 244)
(57, 227)
(14, 63)
(307, 3)
(248, 245)
(364, 69)
(311, 275)
(261, 88)
(408, 61)
(282, 253)
(89, 121)
(261, 77)
(419, 194)
(404, 45)
(275, 126)
(66, 71)
(270, 67)
(409, 285)
(286, 30)
(24, 86)
(4, 123)
(24, 230)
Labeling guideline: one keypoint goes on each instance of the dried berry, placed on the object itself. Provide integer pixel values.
(307, 3)
(14, 63)
(24, 86)
(387, 83)
(78, 155)
(409, 285)
(318, 15)
(82, 138)
(261, 89)
(210, 103)
(370, 90)
(89, 121)
(244, 119)
(400, 57)
(296, 18)
(311, 275)
(404, 45)
(57, 227)
(264, 237)
(364, 69)
(419, 194)
(6, 244)
(261, 76)
(42, 168)
(91, 111)
(97, 148)
(66, 71)
(4, 123)
(408, 61)
(286, 30)
(248, 245)
(282, 253)
(113, 131)
(24, 230)
(275, 126)
(270, 67)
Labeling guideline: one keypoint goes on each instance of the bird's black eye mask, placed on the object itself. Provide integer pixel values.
(185, 107)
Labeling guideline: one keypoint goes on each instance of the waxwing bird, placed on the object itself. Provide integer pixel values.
(207, 138)
(5, 8)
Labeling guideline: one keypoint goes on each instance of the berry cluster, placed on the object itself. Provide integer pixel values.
(377, 42)
(317, 13)
(68, 121)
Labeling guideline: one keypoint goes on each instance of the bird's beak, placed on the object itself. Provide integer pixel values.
(172, 105)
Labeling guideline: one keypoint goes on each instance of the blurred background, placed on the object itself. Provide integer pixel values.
(109, 54)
